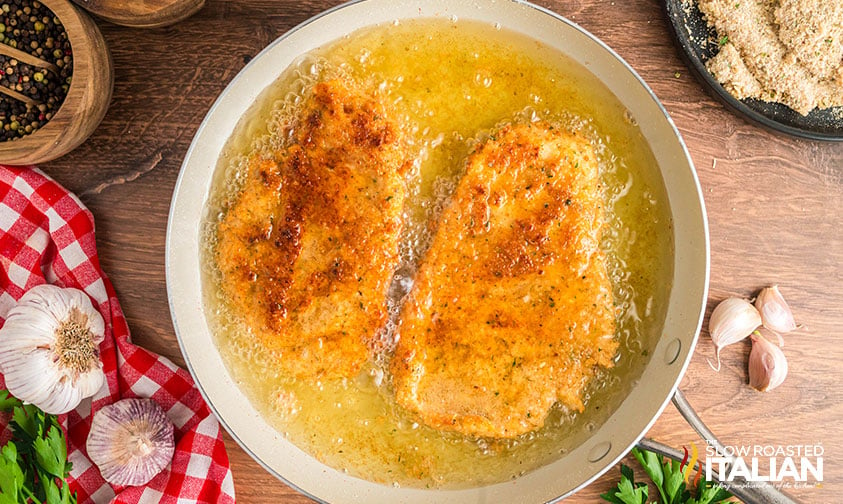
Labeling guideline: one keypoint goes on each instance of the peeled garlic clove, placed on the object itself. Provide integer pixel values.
(49, 348)
(767, 364)
(775, 313)
(731, 321)
(131, 441)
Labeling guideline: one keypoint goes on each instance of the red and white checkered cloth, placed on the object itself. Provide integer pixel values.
(47, 236)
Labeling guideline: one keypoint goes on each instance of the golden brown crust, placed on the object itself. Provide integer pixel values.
(308, 247)
(512, 308)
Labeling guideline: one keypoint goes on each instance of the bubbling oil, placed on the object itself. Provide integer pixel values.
(453, 83)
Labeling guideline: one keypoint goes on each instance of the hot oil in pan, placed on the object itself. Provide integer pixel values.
(454, 82)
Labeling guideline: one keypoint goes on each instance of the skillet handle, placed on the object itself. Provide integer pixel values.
(754, 492)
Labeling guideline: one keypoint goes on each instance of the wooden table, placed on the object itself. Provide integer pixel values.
(774, 207)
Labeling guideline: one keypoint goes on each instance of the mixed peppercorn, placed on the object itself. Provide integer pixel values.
(31, 27)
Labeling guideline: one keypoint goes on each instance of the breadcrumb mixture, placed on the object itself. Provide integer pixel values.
(786, 51)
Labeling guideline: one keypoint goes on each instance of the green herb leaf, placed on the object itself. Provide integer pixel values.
(632, 494)
(33, 464)
(653, 467)
(11, 475)
(674, 482)
(25, 423)
(66, 496)
(627, 491)
(51, 452)
(7, 401)
(668, 479)
(709, 493)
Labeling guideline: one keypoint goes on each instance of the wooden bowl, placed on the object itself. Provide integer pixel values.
(146, 14)
(87, 98)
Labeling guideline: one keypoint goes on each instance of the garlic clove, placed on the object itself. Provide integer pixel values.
(775, 313)
(89, 384)
(49, 348)
(731, 321)
(131, 441)
(767, 364)
(24, 375)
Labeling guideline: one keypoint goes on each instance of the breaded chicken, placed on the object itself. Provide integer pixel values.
(512, 308)
(308, 247)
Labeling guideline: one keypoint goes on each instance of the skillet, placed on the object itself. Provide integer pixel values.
(610, 441)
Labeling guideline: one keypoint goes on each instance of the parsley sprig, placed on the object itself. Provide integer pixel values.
(668, 479)
(33, 464)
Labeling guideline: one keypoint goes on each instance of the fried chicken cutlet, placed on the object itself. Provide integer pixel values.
(308, 247)
(512, 307)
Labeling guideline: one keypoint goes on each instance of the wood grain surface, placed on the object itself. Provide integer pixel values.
(774, 206)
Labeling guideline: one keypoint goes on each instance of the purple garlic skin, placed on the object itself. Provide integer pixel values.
(131, 441)
(767, 364)
(774, 310)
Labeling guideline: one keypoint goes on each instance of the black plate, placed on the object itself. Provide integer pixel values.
(698, 43)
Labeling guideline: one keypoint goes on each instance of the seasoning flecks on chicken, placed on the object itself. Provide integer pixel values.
(308, 247)
(512, 308)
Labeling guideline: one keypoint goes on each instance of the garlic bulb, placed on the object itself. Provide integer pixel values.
(131, 441)
(767, 364)
(49, 348)
(775, 313)
(731, 321)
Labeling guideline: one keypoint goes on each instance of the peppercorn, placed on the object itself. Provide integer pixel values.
(32, 27)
